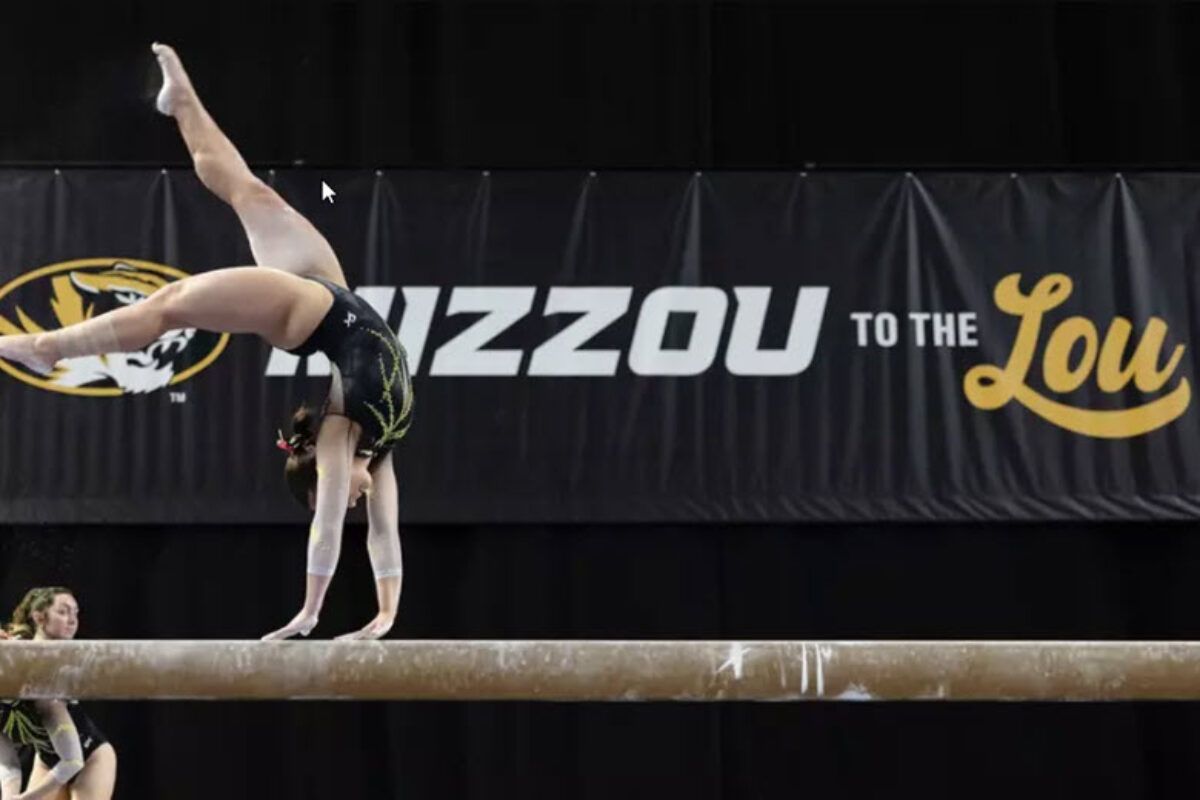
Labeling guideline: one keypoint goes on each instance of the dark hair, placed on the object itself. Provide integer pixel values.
(22, 624)
(300, 471)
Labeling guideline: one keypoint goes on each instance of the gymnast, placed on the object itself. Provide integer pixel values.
(73, 760)
(297, 300)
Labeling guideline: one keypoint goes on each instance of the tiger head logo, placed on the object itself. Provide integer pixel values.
(74, 291)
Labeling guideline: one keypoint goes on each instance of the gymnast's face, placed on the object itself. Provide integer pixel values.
(60, 620)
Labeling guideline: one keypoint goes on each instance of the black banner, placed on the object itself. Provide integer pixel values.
(639, 346)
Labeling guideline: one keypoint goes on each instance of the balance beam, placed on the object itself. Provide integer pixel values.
(602, 670)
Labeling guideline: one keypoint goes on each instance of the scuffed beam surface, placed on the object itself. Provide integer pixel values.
(602, 670)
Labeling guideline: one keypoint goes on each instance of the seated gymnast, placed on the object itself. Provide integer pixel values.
(297, 300)
(72, 758)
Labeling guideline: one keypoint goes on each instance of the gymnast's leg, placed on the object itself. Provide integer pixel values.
(281, 308)
(10, 769)
(99, 775)
(280, 237)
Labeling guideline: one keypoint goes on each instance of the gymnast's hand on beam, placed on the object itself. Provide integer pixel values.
(375, 629)
(302, 624)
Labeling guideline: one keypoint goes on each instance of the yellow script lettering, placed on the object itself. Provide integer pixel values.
(990, 387)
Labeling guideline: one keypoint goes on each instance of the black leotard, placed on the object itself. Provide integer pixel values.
(22, 724)
(376, 386)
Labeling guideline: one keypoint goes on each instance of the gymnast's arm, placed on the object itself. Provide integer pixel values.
(335, 451)
(65, 739)
(10, 769)
(383, 547)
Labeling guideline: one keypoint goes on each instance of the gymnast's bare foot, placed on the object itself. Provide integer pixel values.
(25, 350)
(176, 88)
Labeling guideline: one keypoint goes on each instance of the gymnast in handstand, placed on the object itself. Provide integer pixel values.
(297, 300)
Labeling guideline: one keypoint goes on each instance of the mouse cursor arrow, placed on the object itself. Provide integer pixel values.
(327, 193)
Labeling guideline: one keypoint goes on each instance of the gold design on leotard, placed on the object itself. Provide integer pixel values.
(22, 728)
(393, 422)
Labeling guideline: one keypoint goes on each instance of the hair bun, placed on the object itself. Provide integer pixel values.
(304, 424)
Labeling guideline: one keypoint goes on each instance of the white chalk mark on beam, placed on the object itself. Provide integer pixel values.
(737, 652)
(855, 692)
(804, 668)
(819, 662)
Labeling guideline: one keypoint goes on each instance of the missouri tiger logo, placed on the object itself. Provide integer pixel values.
(58, 295)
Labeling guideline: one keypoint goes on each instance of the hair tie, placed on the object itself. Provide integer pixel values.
(284, 444)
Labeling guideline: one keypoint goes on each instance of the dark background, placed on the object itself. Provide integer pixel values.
(604, 85)
(653, 85)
